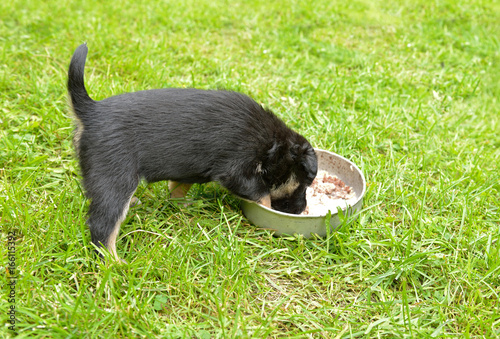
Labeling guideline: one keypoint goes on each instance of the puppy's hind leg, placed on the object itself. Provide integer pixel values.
(109, 205)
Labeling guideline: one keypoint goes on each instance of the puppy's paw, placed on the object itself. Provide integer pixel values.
(180, 202)
(265, 201)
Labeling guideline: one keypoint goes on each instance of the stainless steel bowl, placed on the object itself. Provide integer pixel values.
(307, 225)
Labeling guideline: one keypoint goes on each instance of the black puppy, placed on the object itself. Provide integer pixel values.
(186, 136)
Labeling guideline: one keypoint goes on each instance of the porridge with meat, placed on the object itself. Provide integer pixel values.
(327, 192)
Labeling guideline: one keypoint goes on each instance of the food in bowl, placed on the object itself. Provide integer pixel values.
(327, 192)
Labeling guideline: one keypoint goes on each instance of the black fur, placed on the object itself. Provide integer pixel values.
(184, 135)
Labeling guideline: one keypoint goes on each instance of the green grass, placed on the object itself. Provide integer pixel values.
(408, 90)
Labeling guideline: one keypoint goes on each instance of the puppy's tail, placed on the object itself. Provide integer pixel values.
(76, 87)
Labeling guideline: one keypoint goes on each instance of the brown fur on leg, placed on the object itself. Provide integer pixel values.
(178, 190)
(111, 245)
(266, 201)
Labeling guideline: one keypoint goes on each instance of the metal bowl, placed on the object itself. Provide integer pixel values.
(308, 225)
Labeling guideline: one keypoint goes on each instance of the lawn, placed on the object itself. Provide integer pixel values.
(408, 90)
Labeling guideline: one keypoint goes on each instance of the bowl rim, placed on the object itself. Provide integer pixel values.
(289, 215)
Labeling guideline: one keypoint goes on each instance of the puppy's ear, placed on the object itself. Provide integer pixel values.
(275, 163)
(299, 150)
(276, 155)
(272, 152)
(309, 161)
(295, 151)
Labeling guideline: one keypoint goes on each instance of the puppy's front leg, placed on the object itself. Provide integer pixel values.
(265, 201)
(177, 189)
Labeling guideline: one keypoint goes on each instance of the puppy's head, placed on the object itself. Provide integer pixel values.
(290, 168)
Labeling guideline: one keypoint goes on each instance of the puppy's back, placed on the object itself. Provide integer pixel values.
(184, 126)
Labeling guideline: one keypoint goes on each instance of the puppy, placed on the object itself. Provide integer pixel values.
(186, 136)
